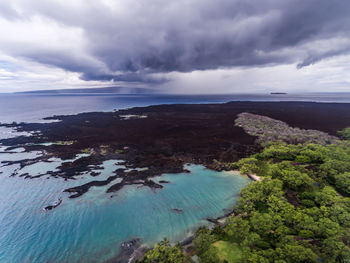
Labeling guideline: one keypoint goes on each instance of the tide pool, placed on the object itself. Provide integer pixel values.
(90, 228)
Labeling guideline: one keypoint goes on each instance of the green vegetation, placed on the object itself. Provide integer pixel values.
(119, 151)
(65, 143)
(163, 252)
(299, 212)
(301, 165)
(204, 247)
(345, 133)
(228, 251)
(87, 151)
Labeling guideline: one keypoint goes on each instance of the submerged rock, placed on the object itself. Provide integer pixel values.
(163, 182)
(127, 250)
(54, 205)
(177, 210)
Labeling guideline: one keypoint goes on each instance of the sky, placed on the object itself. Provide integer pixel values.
(183, 46)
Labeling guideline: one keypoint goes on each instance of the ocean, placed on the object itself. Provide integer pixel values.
(33, 107)
(91, 228)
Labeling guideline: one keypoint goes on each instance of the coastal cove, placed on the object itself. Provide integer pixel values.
(92, 227)
(106, 178)
(174, 131)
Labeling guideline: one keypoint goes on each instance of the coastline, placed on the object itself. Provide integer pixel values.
(251, 176)
(170, 136)
(167, 138)
(186, 243)
(254, 177)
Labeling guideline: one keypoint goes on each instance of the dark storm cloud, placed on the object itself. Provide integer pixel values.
(125, 77)
(134, 39)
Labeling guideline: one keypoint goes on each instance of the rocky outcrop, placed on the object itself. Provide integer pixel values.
(271, 130)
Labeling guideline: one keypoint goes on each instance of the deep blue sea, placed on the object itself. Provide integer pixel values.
(33, 107)
(90, 228)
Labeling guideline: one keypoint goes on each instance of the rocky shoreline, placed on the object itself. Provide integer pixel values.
(134, 250)
(161, 141)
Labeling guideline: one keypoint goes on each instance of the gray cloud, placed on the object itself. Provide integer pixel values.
(131, 40)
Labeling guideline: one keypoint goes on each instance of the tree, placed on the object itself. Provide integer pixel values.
(209, 256)
(332, 248)
(342, 182)
(204, 249)
(253, 257)
(163, 252)
(295, 214)
(328, 228)
(345, 133)
(262, 223)
(292, 178)
(237, 229)
(326, 197)
(248, 165)
(255, 196)
(251, 240)
(293, 252)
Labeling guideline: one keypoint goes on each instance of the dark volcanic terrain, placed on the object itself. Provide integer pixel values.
(161, 139)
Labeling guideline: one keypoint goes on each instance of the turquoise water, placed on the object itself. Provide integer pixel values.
(90, 228)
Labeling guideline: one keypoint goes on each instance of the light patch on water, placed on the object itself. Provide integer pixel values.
(132, 116)
(139, 169)
(47, 143)
(3, 149)
(13, 156)
(41, 168)
(6, 133)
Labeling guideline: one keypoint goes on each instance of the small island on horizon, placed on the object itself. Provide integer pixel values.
(166, 131)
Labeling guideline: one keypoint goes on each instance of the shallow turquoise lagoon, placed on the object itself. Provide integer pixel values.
(90, 228)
